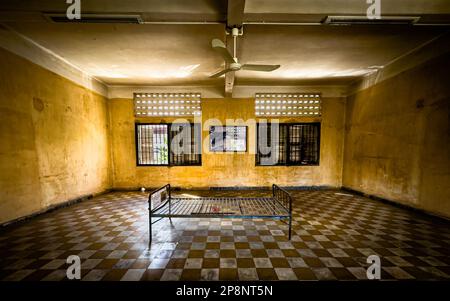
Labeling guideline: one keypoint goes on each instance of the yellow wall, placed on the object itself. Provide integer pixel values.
(397, 142)
(60, 141)
(226, 169)
(54, 143)
(57, 144)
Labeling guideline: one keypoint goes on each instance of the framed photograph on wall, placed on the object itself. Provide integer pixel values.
(228, 138)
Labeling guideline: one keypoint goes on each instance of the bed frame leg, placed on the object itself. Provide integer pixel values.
(290, 226)
(150, 228)
(170, 204)
(170, 210)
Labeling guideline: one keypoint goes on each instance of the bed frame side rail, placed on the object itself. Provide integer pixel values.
(284, 198)
(157, 199)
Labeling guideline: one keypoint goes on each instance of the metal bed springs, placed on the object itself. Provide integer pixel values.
(162, 204)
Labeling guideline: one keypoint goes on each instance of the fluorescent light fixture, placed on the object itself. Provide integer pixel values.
(363, 20)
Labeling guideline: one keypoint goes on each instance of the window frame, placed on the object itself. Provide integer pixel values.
(287, 147)
(169, 142)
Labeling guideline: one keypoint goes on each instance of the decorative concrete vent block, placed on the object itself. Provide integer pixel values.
(167, 104)
(288, 104)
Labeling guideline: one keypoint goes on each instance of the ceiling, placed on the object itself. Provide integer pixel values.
(163, 53)
(133, 53)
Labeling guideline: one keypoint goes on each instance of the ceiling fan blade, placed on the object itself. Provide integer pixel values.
(254, 67)
(221, 72)
(220, 47)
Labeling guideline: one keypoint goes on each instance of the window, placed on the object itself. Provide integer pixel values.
(288, 144)
(185, 144)
(152, 147)
(168, 144)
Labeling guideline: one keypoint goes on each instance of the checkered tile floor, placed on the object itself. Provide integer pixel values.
(333, 234)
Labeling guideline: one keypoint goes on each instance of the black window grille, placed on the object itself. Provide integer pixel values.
(152, 144)
(288, 144)
(185, 148)
(271, 144)
(168, 144)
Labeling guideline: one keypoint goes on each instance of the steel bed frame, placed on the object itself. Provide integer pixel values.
(161, 204)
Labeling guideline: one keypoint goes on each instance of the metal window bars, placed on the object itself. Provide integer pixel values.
(297, 144)
(152, 144)
(168, 144)
(185, 148)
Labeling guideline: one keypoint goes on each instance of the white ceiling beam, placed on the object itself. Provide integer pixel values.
(229, 76)
(326, 91)
(25, 47)
(235, 13)
(126, 92)
(235, 18)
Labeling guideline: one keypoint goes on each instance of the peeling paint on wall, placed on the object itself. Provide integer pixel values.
(55, 144)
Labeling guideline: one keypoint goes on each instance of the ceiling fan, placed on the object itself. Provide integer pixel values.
(232, 61)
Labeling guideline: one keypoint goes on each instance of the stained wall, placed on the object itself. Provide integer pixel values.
(226, 169)
(54, 143)
(397, 142)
